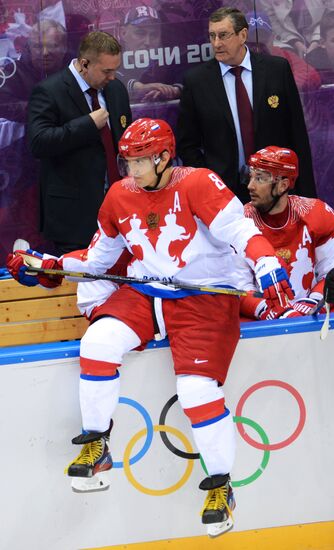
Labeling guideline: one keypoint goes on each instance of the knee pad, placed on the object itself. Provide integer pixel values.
(104, 344)
(201, 399)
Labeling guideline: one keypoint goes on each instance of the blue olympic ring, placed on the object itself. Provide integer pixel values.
(149, 426)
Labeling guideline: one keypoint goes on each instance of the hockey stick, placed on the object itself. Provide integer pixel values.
(325, 326)
(21, 244)
(133, 280)
(314, 312)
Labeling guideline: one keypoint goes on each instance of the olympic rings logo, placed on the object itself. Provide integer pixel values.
(3, 75)
(189, 454)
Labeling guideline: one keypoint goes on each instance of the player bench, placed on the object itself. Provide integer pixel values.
(33, 315)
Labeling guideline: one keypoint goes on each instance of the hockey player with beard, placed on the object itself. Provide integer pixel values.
(300, 229)
(178, 223)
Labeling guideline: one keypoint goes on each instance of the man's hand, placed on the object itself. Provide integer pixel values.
(306, 305)
(329, 287)
(155, 91)
(269, 314)
(100, 117)
(300, 48)
(274, 282)
(21, 265)
(314, 44)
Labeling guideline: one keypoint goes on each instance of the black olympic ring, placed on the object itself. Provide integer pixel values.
(163, 435)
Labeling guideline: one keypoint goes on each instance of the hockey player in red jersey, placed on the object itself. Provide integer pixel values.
(178, 223)
(300, 229)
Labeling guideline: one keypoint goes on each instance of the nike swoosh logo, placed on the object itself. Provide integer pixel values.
(197, 361)
(122, 220)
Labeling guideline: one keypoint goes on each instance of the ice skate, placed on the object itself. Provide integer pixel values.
(218, 506)
(90, 469)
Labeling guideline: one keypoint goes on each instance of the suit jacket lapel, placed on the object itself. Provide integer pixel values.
(215, 84)
(109, 98)
(75, 92)
(258, 78)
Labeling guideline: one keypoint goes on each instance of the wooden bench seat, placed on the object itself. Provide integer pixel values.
(31, 315)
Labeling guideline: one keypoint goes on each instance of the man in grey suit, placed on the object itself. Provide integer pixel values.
(209, 127)
(70, 116)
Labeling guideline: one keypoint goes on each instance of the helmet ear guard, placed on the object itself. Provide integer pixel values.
(280, 161)
(146, 137)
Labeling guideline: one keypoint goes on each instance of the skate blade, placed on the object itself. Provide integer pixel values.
(99, 482)
(216, 529)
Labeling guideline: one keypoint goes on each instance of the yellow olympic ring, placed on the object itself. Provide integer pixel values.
(172, 488)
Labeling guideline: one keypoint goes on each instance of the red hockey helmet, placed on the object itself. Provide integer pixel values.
(146, 137)
(280, 161)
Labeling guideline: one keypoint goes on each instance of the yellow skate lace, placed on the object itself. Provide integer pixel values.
(89, 454)
(217, 500)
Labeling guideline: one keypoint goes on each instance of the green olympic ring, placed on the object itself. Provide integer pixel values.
(266, 453)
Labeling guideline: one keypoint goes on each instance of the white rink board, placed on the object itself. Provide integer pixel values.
(40, 414)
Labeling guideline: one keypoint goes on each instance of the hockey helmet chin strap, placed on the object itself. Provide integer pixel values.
(158, 176)
(275, 199)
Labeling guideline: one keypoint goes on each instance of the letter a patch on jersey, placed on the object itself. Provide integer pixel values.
(177, 205)
(306, 236)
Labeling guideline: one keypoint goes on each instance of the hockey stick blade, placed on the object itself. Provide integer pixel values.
(133, 280)
(314, 312)
(325, 326)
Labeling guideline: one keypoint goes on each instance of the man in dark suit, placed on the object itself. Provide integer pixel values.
(75, 120)
(210, 127)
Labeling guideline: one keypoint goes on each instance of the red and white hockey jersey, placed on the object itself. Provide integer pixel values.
(189, 230)
(305, 242)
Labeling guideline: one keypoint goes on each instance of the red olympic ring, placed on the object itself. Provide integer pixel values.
(293, 436)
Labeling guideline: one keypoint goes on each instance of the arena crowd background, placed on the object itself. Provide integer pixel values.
(177, 40)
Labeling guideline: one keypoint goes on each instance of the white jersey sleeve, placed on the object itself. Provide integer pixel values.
(101, 255)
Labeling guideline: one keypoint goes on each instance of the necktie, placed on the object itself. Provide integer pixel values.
(245, 113)
(107, 140)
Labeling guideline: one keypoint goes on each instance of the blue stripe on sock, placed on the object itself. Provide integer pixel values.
(94, 378)
(211, 420)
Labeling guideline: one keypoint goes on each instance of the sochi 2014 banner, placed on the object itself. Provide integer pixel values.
(160, 40)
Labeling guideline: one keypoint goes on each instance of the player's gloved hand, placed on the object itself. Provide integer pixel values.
(306, 305)
(274, 283)
(269, 314)
(329, 287)
(20, 265)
